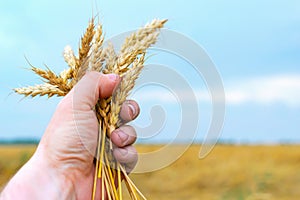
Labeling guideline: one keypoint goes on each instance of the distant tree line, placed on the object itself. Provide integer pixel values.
(19, 141)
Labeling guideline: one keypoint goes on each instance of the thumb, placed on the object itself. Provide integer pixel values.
(91, 87)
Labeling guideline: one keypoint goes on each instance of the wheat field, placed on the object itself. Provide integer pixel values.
(228, 172)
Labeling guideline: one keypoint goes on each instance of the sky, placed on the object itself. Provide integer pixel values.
(254, 45)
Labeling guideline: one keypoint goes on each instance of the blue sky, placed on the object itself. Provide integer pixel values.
(255, 46)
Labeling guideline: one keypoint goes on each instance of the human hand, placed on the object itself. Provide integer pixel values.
(62, 166)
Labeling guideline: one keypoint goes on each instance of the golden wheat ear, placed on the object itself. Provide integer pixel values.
(70, 57)
(40, 90)
(96, 51)
(110, 58)
(51, 78)
(86, 42)
(138, 42)
(124, 88)
(83, 51)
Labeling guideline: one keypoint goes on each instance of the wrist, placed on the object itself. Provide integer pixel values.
(37, 179)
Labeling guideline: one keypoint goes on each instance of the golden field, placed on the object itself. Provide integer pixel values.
(228, 172)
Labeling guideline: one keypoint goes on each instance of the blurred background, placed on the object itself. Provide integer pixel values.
(255, 46)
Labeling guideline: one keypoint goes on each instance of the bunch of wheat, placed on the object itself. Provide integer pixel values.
(128, 63)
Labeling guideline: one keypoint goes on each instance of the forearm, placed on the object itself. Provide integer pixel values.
(36, 180)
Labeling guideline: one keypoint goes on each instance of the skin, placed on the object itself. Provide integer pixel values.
(62, 166)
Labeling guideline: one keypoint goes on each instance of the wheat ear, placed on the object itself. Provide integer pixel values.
(138, 42)
(97, 55)
(84, 49)
(70, 57)
(41, 90)
(52, 79)
(123, 90)
(110, 57)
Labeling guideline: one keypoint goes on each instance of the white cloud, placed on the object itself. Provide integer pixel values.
(282, 89)
(159, 95)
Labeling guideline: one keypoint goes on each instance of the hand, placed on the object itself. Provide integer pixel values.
(62, 166)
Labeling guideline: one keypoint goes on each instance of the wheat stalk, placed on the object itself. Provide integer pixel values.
(128, 63)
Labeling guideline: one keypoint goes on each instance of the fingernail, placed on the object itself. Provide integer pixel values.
(123, 152)
(132, 110)
(123, 136)
(112, 77)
